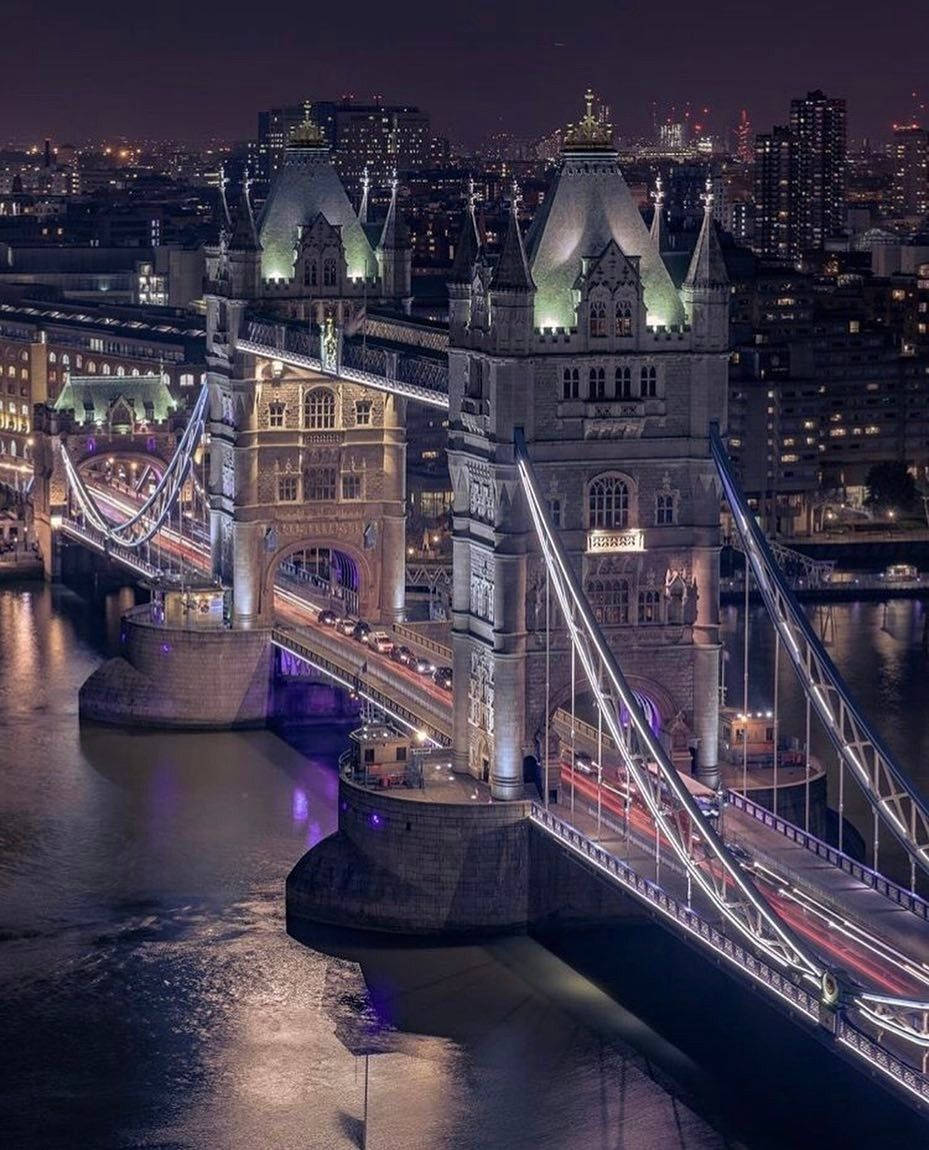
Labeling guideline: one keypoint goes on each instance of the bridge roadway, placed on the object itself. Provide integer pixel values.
(856, 920)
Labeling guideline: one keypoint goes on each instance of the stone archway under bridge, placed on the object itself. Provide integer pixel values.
(328, 571)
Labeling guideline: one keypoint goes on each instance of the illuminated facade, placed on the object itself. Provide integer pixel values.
(307, 469)
(580, 339)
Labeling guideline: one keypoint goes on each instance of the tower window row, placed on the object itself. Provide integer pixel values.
(625, 385)
(319, 411)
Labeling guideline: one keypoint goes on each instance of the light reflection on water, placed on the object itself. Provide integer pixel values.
(151, 995)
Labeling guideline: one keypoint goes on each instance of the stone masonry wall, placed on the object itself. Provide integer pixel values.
(408, 867)
(173, 677)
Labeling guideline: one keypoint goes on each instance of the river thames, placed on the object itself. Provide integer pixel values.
(151, 997)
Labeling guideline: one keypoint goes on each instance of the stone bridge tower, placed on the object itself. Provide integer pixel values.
(581, 339)
(305, 467)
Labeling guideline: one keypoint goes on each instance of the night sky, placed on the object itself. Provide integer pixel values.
(191, 70)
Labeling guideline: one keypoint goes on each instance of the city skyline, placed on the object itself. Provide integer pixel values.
(210, 74)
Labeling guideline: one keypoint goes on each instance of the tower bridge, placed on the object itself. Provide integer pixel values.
(586, 406)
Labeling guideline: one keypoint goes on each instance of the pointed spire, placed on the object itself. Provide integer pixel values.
(363, 206)
(512, 270)
(468, 248)
(244, 237)
(659, 230)
(221, 220)
(707, 266)
(395, 234)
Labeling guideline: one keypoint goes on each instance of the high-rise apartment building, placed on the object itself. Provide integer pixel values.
(817, 122)
(773, 231)
(911, 170)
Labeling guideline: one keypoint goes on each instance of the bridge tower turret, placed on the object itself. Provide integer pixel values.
(706, 287)
(394, 255)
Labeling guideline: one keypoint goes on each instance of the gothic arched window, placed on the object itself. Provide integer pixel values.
(310, 273)
(623, 318)
(597, 383)
(649, 382)
(664, 508)
(624, 383)
(570, 383)
(319, 409)
(608, 502)
(598, 319)
(329, 276)
(609, 599)
(649, 607)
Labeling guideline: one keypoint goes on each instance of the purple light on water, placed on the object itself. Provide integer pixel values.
(166, 648)
(299, 805)
(375, 820)
(91, 443)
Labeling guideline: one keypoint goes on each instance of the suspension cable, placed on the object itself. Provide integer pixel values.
(887, 787)
(749, 914)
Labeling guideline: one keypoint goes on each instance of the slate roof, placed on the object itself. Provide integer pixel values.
(587, 205)
(305, 186)
(707, 266)
(512, 271)
(92, 397)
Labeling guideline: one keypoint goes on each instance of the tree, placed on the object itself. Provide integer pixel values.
(890, 486)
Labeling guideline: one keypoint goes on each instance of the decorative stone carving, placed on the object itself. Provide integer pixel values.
(482, 585)
(481, 691)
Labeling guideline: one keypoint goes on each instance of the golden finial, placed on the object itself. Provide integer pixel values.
(308, 134)
(592, 134)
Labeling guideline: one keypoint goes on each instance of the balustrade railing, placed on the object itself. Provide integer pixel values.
(864, 874)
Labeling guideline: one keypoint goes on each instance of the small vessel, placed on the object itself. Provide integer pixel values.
(901, 572)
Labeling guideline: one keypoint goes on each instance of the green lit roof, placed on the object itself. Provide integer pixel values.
(306, 186)
(587, 205)
(106, 398)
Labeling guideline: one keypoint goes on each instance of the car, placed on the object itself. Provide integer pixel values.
(443, 678)
(741, 855)
(327, 618)
(361, 631)
(584, 763)
(347, 625)
(422, 666)
(709, 806)
(402, 655)
(381, 642)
